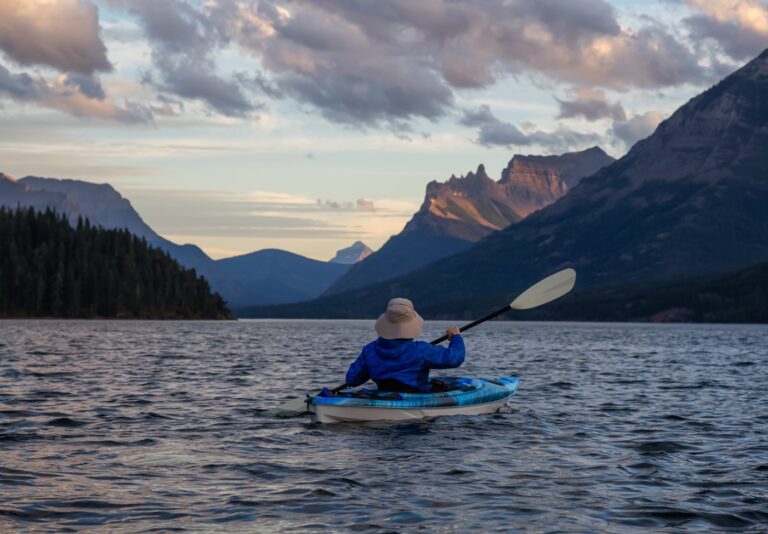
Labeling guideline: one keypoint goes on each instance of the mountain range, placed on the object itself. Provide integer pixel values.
(105, 207)
(461, 211)
(454, 215)
(273, 276)
(689, 200)
(263, 277)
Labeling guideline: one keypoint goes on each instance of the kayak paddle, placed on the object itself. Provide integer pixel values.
(550, 288)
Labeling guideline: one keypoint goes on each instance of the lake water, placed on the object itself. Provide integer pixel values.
(153, 426)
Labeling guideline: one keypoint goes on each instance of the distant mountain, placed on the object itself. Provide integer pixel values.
(354, 253)
(264, 277)
(275, 276)
(457, 213)
(690, 200)
(99, 202)
(733, 297)
(105, 207)
(13, 194)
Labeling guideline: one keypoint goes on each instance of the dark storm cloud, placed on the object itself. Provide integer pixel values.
(184, 44)
(592, 106)
(63, 35)
(495, 132)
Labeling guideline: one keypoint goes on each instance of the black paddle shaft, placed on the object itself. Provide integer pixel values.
(442, 338)
(473, 324)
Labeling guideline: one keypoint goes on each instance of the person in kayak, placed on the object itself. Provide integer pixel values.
(398, 363)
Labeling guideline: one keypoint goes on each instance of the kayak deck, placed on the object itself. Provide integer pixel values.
(468, 396)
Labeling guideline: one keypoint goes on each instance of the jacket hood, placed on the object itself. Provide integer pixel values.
(391, 348)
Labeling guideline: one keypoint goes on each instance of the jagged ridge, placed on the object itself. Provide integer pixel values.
(461, 211)
(690, 200)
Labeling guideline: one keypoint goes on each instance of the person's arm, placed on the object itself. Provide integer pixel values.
(447, 358)
(358, 372)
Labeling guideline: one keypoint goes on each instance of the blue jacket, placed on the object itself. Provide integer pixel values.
(404, 360)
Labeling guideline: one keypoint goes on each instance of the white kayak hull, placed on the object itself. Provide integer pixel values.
(356, 414)
(465, 396)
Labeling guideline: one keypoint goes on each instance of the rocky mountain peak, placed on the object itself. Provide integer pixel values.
(472, 182)
(527, 184)
(354, 253)
(465, 209)
(77, 189)
(568, 168)
(100, 203)
(689, 200)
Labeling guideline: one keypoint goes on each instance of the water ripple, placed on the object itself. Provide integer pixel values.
(165, 426)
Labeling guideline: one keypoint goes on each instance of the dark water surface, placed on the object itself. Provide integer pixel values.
(153, 426)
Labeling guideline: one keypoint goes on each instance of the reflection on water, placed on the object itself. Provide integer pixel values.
(134, 426)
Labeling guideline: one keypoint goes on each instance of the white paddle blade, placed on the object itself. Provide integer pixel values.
(551, 288)
(295, 406)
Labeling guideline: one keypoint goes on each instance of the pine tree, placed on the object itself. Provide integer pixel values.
(49, 268)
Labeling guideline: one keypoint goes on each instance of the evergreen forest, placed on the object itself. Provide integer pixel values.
(50, 267)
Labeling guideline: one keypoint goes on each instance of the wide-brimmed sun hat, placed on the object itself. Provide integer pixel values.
(400, 321)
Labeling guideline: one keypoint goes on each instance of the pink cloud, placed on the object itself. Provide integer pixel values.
(63, 34)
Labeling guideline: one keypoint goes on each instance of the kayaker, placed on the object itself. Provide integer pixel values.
(398, 363)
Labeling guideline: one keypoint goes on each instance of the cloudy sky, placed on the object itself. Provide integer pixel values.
(246, 124)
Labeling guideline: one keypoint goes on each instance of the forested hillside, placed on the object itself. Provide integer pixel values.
(735, 297)
(50, 269)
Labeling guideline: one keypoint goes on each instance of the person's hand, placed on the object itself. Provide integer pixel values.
(452, 331)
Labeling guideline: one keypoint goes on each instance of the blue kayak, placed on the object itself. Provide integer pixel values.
(466, 396)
